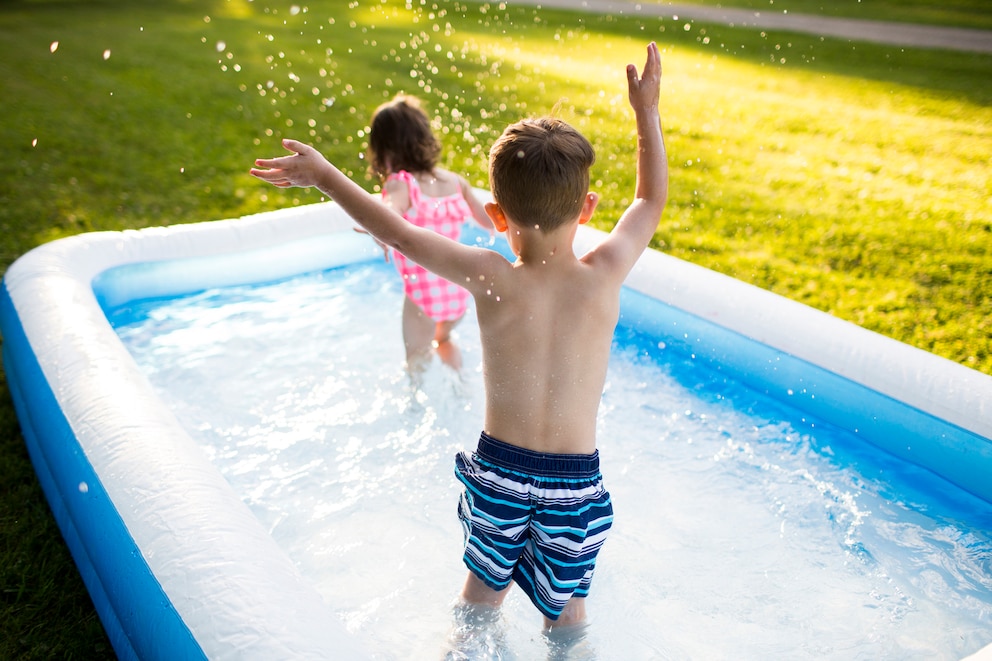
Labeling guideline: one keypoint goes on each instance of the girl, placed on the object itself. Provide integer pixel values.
(403, 153)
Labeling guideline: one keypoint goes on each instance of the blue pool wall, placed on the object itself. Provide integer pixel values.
(89, 522)
(953, 452)
(178, 567)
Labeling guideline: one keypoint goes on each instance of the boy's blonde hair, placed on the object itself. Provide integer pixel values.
(539, 172)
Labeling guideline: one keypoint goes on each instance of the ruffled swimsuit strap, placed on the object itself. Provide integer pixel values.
(438, 298)
(412, 186)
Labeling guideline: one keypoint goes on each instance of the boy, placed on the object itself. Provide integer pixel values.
(534, 509)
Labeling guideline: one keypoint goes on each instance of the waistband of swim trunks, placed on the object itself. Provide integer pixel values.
(537, 463)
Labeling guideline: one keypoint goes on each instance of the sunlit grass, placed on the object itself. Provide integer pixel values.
(851, 177)
(812, 167)
(959, 13)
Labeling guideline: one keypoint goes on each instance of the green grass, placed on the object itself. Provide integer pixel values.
(949, 13)
(45, 611)
(851, 177)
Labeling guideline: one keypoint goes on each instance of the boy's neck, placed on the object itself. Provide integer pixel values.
(536, 248)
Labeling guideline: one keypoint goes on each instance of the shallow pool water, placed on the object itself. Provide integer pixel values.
(743, 528)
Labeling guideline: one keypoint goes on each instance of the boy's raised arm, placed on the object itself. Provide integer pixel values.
(635, 228)
(306, 167)
(652, 161)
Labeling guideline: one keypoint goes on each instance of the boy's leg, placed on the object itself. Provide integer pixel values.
(478, 593)
(568, 636)
(574, 613)
(478, 631)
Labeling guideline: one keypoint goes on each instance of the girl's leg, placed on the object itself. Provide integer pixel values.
(446, 349)
(418, 334)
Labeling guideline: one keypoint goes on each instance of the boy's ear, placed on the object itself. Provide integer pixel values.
(496, 215)
(592, 199)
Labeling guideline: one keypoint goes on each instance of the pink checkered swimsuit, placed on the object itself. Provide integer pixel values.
(440, 299)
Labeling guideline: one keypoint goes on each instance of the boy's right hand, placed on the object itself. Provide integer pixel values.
(302, 169)
(644, 91)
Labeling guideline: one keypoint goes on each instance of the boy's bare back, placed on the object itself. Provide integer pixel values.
(546, 323)
(547, 319)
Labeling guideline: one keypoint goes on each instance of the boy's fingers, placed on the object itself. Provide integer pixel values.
(296, 146)
(631, 75)
(275, 163)
(652, 66)
(653, 63)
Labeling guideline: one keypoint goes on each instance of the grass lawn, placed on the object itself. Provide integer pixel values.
(854, 178)
(951, 13)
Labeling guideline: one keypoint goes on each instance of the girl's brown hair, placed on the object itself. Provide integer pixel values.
(400, 138)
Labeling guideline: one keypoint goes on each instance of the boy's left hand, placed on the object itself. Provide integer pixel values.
(643, 91)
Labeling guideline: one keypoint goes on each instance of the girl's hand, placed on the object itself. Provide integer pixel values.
(385, 248)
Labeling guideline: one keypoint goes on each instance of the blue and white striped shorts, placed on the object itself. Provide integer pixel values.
(536, 518)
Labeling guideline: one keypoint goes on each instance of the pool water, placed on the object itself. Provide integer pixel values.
(743, 528)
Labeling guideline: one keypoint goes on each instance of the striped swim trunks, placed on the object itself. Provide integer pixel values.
(535, 518)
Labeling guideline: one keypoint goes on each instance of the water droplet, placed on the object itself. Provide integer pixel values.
(83, 487)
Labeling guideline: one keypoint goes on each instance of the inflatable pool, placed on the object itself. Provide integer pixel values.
(179, 567)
